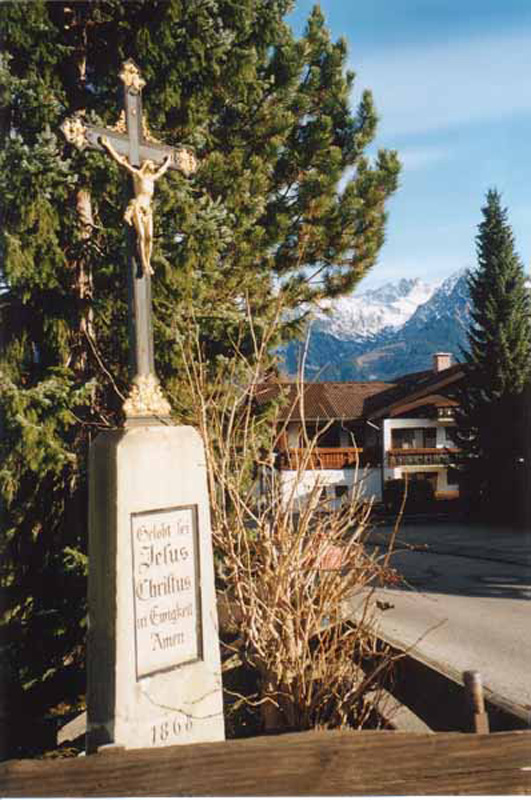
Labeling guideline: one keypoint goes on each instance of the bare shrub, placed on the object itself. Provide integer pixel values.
(285, 569)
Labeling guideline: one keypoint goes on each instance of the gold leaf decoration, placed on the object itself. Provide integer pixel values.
(146, 398)
(186, 161)
(75, 132)
(131, 76)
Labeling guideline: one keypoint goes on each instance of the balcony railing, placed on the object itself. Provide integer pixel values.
(351, 457)
(421, 456)
(322, 458)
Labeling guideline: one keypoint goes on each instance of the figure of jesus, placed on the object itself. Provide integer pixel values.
(139, 212)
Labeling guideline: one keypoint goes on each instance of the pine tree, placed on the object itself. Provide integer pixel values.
(491, 421)
(269, 214)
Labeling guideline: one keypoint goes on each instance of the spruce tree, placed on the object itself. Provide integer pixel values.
(269, 213)
(491, 421)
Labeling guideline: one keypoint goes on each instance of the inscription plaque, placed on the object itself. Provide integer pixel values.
(166, 589)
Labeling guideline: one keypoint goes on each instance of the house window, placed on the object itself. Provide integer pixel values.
(402, 438)
(353, 435)
(341, 490)
(430, 437)
(406, 438)
(325, 438)
(450, 437)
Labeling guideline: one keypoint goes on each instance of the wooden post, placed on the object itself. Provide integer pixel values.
(476, 702)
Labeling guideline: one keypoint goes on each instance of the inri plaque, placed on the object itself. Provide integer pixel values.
(166, 589)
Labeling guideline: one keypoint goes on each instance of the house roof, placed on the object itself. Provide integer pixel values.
(322, 401)
(437, 400)
(415, 387)
(360, 399)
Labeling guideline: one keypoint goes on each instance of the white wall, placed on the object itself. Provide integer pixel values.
(293, 434)
(442, 475)
(398, 472)
(392, 424)
(367, 481)
(444, 486)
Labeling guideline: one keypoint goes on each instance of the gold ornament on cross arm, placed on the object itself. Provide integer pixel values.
(75, 132)
(148, 136)
(131, 76)
(120, 126)
(186, 161)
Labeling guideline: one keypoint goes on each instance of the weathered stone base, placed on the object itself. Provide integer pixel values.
(154, 675)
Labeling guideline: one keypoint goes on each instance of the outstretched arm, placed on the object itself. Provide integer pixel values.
(164, 168)
(122, 160)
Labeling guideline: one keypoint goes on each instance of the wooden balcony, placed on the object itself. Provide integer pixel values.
(421, 456)
(322, 458)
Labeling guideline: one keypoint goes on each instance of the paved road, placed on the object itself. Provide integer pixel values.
(466, 603)
(500, 544)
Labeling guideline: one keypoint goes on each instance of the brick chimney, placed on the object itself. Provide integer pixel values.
(441, 361)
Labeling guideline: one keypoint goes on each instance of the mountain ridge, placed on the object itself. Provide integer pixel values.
(365, 315)
(380, 334)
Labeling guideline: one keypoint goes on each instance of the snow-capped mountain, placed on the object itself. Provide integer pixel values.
(449, 301)
(364, 315)
(382, 333)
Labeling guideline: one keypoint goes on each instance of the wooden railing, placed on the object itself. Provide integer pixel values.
(421, 456)
(322, 458)
(355, 763)
(350, 457)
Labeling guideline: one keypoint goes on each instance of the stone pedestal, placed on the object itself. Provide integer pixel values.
(154, 674)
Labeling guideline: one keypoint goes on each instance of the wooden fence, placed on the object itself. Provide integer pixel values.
(316, 763)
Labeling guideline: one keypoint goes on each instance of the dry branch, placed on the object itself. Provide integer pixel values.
(284, 570)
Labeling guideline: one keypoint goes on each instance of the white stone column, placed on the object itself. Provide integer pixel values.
(154, 675)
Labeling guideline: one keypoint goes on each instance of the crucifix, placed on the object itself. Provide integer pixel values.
(131, 145)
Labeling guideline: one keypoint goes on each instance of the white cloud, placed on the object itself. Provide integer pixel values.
(420, 89)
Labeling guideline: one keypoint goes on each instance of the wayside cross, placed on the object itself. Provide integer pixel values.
(131, 145)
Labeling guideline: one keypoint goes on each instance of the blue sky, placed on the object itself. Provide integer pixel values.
(451, 81)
